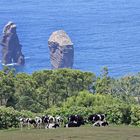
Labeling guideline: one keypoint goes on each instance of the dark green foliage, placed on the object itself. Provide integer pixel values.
(118, 111)
(54, 87)
(7, 87)
(103, 83)
(135, 115)
(8, 118)
(66, 91)
(42, 89)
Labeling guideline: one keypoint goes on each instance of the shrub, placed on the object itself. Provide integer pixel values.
(10, 118)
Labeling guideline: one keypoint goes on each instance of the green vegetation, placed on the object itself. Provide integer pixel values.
(66, 91)
(42, 89)
(82, 133)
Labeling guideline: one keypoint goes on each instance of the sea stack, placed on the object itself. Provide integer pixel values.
(11, 48)
(61, 50)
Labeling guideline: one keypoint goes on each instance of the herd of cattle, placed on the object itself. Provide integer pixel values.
(48, 121)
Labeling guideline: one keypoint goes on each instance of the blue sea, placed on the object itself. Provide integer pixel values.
(104, 32)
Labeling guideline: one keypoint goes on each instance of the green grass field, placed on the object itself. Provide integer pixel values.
(82, 133)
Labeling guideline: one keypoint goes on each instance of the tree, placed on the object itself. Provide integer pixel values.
(102, 84)
(7, 88)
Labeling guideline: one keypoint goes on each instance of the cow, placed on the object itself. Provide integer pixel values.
(59, 120)
(72, 124)
(96, 117)
(50, 122)
(31, 122)
(45, 120)
(27, 122)
(75, 121)
(22, 122)
(76, 118)
(51, 119)
(98, 120)
(38, 121)
(105, 123)
(101, 123)
(52, 126)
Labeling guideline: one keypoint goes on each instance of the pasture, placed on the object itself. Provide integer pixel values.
(82, 133)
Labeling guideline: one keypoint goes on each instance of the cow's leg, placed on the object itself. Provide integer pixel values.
(46, 125)
(21, 126)
(28, 125)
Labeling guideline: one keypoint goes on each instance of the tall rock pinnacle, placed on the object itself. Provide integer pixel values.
(11, 48)
(61, 50)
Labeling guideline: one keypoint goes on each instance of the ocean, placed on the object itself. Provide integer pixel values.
(104, 32)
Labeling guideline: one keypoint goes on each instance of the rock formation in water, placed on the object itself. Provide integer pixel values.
(11, 49)
(61, 50)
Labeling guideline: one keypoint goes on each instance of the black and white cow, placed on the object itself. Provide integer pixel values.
(52, 126)
(38, 121)
(45, 121)
(22, 122)
(96, 117)
(98, 120)
(72, 124)
(76, 118)
(75, 121)
(101, 123)
(59, 120)
(31, 122)
(51, 119)
(52, 123)
(49, 122)
(27, 122)
(105, 123)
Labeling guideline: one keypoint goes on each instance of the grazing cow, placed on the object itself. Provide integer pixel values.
(31, 122)
(51, 119)
(38, 121)
(48, 121)
(22, 122)
(45, 121)
(59, 120)
(27, 122)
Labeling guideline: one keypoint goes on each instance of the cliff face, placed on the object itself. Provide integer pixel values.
(11, 48)
(61, 50)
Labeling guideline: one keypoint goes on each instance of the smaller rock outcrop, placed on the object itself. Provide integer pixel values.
(61, 50)
(11, 48)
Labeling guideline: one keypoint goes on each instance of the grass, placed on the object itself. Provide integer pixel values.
(82, 133)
